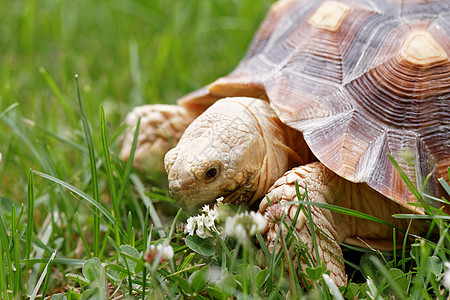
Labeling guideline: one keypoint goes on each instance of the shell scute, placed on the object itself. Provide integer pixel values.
(372, 79)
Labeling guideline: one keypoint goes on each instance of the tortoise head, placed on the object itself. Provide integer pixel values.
(227, 151)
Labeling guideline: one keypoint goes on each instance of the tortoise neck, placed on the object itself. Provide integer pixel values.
(284, 148)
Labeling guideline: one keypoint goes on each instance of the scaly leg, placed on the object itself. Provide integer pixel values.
(160, 129)
(323, 186)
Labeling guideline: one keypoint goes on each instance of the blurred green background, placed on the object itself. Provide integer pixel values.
(126, 53)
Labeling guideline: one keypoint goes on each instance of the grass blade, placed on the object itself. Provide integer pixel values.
(62, 100)
(444, 185)
(74, 263)
(312, 231)
(83, 238)
(92, 160)
(421, 217)
(86, 199)
(45, 273)
(148, 203)
(410, 185)
(144, 251)
(18, 132)
(347, 211)
(57, 137)
(2, 272)
(16, 251)
(6, 241)
(129, 163)
(30, 220)
(109, 172)
(8, 109)
(332, 287)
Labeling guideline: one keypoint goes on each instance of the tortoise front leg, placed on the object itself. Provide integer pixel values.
(323, 186)
(160, 129)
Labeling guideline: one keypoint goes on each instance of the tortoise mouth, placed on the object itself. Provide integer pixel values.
(243, 194)
(193, 198)
(240, 196)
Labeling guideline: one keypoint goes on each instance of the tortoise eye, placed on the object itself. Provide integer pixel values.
(211, 173)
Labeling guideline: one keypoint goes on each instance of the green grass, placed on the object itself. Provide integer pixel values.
(74, 218)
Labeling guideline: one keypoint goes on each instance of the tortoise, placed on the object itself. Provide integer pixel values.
(326, 91)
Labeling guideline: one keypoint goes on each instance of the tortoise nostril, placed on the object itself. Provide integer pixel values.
(174, 188)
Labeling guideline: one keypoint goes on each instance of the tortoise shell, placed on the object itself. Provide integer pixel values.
(361, 80)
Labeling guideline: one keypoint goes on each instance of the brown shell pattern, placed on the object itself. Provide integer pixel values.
(360, 79)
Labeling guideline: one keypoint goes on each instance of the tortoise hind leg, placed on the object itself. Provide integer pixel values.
(322, 186)
(160, 129)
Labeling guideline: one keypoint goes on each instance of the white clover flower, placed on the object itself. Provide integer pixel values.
(203, 230)
(204, 234)
(219, 201)
(200, 225)
(209, 222)
(213, 214)
(205, 224)
(167, 251)
(446, 277)
(240, 233)
(206, 208)
(190, 226)
(199, 219)
(229, 225)
(259, 223)
(153, 251)
(244, 225)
